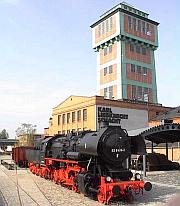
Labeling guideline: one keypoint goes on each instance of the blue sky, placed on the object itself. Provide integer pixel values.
(46, 55)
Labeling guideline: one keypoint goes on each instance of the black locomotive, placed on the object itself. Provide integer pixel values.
(95, 163)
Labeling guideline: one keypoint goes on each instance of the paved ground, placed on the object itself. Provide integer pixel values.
(2, 203)
(33, 190)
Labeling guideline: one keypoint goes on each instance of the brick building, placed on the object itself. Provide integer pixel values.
(78, 113)
(125, 39)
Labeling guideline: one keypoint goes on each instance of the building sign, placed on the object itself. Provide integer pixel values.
(105, 114)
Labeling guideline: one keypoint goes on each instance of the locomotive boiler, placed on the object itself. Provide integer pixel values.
(95, 163)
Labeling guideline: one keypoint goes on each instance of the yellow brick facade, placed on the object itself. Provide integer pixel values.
(99, 36)
(114, 91)
(106, 78)
(74, 114)
(75, 104)
(111, 55)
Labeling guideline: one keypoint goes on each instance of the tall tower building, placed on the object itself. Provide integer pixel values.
(125, 39)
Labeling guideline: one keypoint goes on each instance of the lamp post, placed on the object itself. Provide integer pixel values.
(146, 99)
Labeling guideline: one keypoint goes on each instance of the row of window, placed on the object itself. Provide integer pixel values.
(71, 117)
(134, 10)
(140, 93)
(105, 26)
(139, 25)
(108, 70)
(108, 92)
(139, 70)
(72, 131)
(107, 50)
(137, 48)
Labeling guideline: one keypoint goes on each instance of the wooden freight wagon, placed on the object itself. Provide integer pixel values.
(19, 156)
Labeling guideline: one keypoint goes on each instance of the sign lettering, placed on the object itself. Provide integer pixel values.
(105, 114)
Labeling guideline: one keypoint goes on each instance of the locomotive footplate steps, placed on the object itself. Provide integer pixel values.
(121, 190)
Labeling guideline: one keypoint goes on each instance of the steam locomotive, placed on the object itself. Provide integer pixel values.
(95, 163)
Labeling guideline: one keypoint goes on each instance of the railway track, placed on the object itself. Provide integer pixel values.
(4, 199)
(19, 188)
(38, 187)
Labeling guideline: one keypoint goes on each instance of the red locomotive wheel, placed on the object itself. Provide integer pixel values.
(56, 176)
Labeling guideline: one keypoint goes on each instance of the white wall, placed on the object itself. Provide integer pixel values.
(136, 118)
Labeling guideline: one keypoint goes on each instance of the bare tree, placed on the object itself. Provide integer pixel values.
(4, 134)
(26, 129)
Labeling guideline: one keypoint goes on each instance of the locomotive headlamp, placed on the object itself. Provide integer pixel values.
(108, 179)
(137, 176)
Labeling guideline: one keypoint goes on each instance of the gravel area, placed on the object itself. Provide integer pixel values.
(33, 190)
(2, 201)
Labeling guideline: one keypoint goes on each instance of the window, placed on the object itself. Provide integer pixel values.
(59, 119)
(99, 30)
(110, 48)
(63, 132)
(132, 47)
(139, 69)
(110, 69)
(73, 116)
(110, 92)
(133, 68)
(138, 49)
(143, 28)
(105, 51)
(68, 118)
(129, 22)
(102, 28)
(145, 94)
(105, 92)
(111, 23)
(145, 90)
(68, 131)
(139, 92)
(107, 25)
(79, 115)
(133, 92)
(63, 118)
(139, 26)
(147, 28)
(143, 51)
(105, 71)
(144, 71)
(84, 114)
(134, 24)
